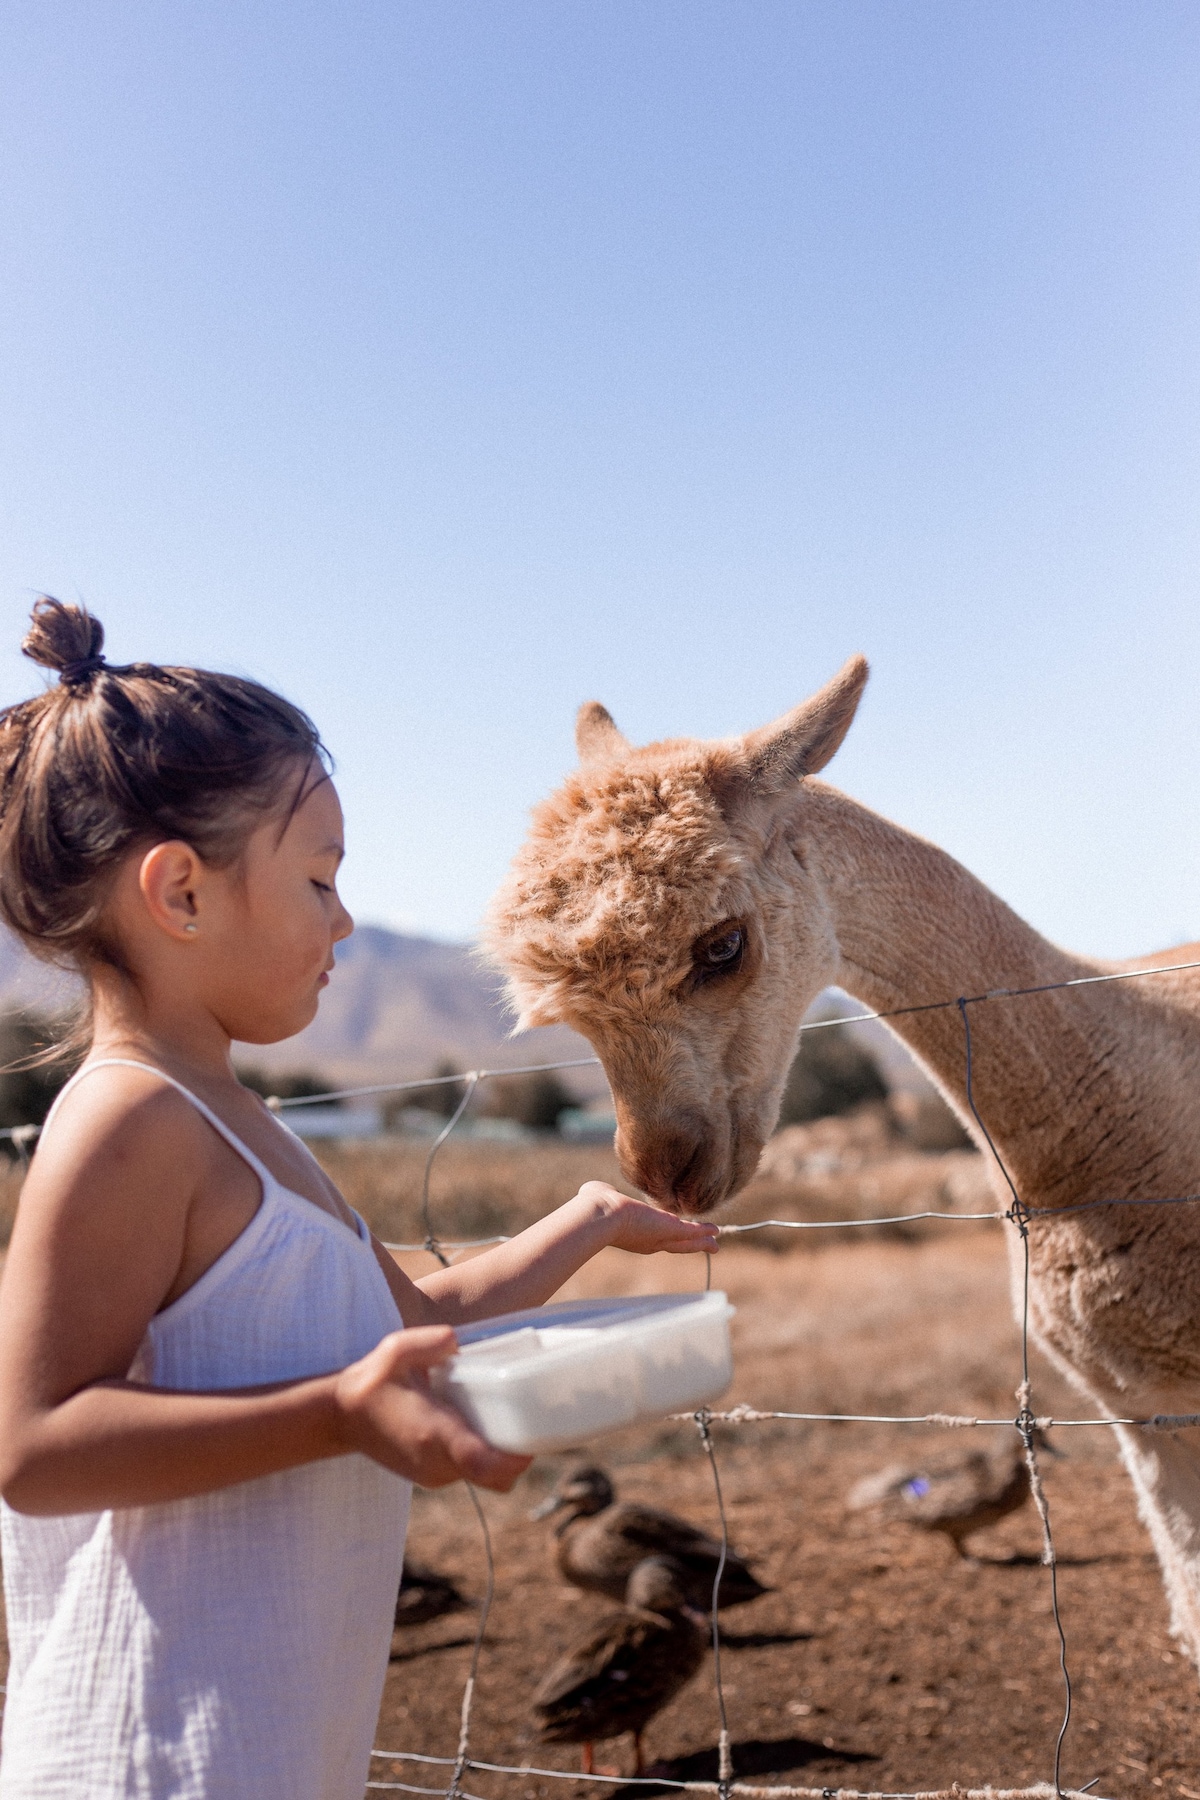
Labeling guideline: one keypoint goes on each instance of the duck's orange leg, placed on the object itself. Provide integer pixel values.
(588, 1759)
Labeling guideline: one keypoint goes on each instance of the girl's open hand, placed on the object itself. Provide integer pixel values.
(388, 1411)
(636, 1225)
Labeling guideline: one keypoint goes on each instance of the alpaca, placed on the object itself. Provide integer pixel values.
(682, 904)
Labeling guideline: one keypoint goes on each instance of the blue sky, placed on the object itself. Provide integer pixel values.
(446, 365)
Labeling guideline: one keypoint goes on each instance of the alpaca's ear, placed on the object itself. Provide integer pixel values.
(777, 756)
(596, 736)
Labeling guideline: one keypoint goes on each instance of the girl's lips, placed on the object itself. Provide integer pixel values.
(322, 980)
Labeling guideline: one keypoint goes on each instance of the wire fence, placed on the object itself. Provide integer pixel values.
(1025, 1421)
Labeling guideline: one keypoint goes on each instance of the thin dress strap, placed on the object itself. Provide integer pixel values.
(219, 1126)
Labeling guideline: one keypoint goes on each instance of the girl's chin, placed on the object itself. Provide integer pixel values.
(277, 1030)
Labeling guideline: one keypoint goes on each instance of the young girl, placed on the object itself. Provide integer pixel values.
(213, 1380)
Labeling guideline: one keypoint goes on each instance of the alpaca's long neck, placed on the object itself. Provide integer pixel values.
(1055, 1077)
(912, 924)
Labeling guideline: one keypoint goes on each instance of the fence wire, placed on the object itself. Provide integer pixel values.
(1025, 1421)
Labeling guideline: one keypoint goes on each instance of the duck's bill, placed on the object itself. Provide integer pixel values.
(549, 1505)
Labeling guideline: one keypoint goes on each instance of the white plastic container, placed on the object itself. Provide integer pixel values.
(558, 1375)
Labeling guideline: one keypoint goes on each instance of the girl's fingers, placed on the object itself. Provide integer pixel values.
(408, 1430)
(455, 1452)
(494, 1469)
(649, 1229)
(398, 1363)
(688, 1235)
(420, 1347)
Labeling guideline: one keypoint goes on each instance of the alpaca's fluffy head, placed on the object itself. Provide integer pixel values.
(653, 907)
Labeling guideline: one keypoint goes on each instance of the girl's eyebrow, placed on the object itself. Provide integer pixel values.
(333, 848)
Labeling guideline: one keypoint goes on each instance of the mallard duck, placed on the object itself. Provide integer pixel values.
(602, 1540)
(425, 1595)
(956, 1498)
(620, 1673)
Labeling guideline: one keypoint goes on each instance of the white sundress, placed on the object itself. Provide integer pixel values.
(232, 1646)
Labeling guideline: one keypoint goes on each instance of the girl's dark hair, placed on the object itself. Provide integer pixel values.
(113, 758)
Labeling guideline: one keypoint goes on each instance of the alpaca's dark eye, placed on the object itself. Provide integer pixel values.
(720, 954)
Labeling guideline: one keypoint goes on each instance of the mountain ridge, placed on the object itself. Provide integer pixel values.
(396, 1006)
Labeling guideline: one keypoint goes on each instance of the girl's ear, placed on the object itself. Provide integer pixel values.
(169, 879)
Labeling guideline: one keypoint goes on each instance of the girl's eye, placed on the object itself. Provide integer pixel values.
(323, 887)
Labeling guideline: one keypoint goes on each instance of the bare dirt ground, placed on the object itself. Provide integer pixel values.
(880, 1661)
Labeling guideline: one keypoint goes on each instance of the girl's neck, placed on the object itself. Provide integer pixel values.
(125, 1023)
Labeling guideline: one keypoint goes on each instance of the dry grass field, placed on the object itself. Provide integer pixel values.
(833, 1169)
(879, 1661)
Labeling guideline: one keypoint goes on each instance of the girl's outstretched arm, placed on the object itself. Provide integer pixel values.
(532, 1266)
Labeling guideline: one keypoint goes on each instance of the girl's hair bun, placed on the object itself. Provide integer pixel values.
(60, 636)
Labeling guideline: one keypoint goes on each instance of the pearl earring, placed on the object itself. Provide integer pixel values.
(189, 928)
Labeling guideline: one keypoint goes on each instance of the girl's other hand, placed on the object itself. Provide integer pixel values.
(644, 1229)
(389, 1412)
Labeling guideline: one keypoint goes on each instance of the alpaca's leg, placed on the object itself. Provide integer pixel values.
(1165, 1470)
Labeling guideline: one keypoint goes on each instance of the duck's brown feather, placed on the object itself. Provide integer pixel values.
(617, 1676)
(599, 1553)
(958, 1498)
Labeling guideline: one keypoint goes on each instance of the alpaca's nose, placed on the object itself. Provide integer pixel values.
(673, 1162)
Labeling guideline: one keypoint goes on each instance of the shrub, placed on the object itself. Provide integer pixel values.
(444, 1099)
(532, 1100)
(929, 1123)
(30, 1074)
(300, 1084)
(831, 1073)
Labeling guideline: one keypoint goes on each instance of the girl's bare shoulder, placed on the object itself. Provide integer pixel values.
(102, 1225)
(114, 1125)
